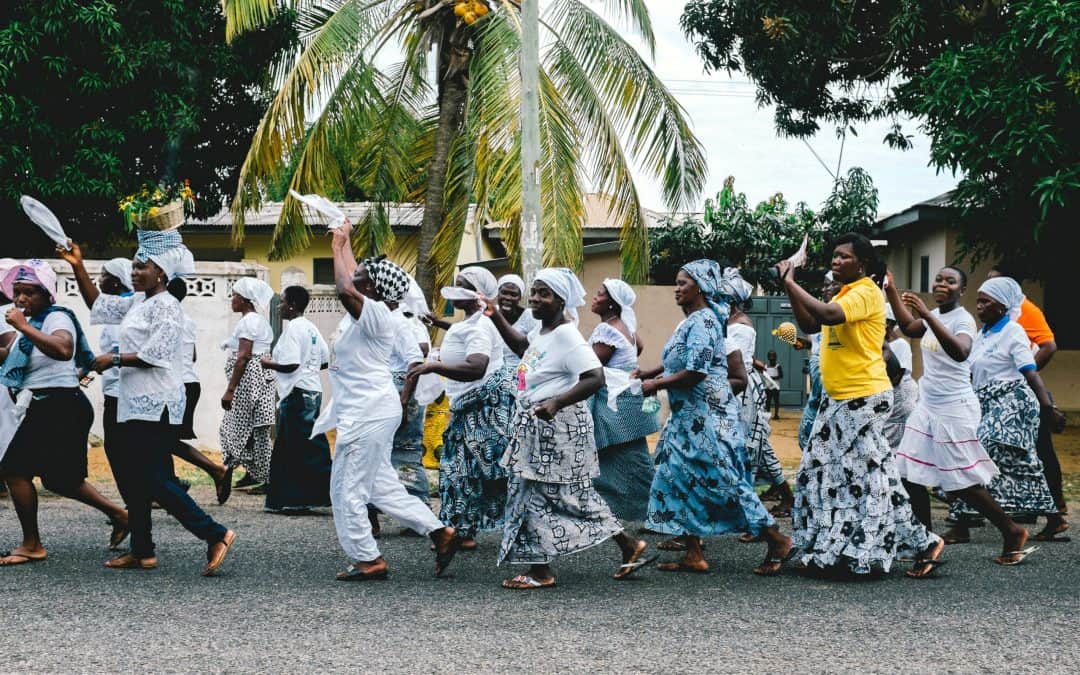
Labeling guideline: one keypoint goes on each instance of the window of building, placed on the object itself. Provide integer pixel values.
(924, 274)
(323, 269)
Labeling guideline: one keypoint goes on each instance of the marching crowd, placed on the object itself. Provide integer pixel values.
(546, 441)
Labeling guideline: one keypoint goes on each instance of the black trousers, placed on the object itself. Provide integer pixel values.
(144, 475)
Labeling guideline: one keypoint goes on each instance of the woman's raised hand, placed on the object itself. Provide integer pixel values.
(73, 255)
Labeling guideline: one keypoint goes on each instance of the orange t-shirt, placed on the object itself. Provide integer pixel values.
(1033, 321)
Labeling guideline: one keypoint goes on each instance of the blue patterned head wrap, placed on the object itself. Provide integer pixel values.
(709, 277)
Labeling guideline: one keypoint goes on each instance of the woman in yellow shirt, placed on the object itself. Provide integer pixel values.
(851, 510)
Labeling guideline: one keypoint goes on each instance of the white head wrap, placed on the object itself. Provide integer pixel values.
(624, 296)
(564, 283)
(513, 279)
(176, 262)
(258, 292)
(1006, 291)
(415, 303)
(482, 280)
(121, 269)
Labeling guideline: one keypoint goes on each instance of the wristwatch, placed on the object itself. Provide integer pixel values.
(116, 360)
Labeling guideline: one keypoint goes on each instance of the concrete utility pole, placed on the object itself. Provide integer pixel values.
(532, 243)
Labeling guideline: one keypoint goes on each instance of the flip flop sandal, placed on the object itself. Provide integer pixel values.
(130, 562)
(931, 567)
(1053, 536)
(777, 512)
(773, 560)
(224, 487)
(118, 535)
(953, 541)
(638, 560)
(675, 545)
(1021, 556)
(354, 573)
(747, 538)
(681, 567)
(526, 582)
(212, 564)
(24, 559)
(442, 560)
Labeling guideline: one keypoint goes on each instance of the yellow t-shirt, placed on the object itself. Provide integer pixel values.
(851, 361)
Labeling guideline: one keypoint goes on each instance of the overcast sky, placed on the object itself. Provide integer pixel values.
(740, 140)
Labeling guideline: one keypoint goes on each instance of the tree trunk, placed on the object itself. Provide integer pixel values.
(454, 58)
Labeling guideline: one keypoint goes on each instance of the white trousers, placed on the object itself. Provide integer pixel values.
(362, 475)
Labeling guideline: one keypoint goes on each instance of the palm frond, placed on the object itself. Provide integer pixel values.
(636, 14)
(638, 104)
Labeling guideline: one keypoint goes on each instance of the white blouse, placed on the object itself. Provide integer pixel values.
(151, 328)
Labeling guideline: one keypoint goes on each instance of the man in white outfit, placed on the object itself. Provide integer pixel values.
(366, 412)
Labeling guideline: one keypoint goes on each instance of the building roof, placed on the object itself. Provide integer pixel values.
(934, 210)
(406, 216)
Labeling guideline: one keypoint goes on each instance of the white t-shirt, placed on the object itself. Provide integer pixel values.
(300, 343)
(44, 371)
(360, 370)
(524, 325)
(944, 379)
(744, 338)
(475, 335)
(152, 329)
(109, 343)
(902, 351)
(189, 331)
(554, 362)
(252, 326)
(409, 335)
(1001, 353)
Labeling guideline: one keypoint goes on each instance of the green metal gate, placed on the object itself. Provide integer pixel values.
(767, 313)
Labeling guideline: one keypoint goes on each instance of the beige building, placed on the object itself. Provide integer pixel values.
(923, 238)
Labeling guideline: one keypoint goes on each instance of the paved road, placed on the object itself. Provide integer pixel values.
(277, 607)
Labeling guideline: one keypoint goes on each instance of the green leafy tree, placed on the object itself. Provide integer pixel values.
(754, 239)
(98, 97)
(602, 109)
(995, 84)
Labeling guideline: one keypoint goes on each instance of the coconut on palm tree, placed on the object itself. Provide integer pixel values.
(449, 136)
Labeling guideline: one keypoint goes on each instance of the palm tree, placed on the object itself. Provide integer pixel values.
(601, 108)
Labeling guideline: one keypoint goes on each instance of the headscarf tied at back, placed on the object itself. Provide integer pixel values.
(625, 297)
(1006, 291)
(166, 250)
(389, 279)
(257, 291)
(482, 280)
(709, 277)
(564, 283)
(513, 280)
(38, 273)
(121, 269)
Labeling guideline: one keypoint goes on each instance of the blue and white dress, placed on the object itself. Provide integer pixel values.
(700, 487)
(626, 469)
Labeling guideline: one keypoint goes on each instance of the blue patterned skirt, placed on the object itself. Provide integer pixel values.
(1008, 431)
(626, 468)
(700, 487)
(472, 484)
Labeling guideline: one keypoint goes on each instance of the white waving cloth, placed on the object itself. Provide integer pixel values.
(11, 416)
(564, 283)
(430, 386)
(45, 219)
(798, 258)
(258, 292)
(335, 216)
(617, 381)
(625, 297)
(453, 293)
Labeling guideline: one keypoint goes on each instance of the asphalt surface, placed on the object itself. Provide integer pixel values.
(276, 607)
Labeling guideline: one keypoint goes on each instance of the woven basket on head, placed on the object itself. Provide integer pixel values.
(168, 217)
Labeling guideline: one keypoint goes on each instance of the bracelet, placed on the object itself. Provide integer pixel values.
(116, 361)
